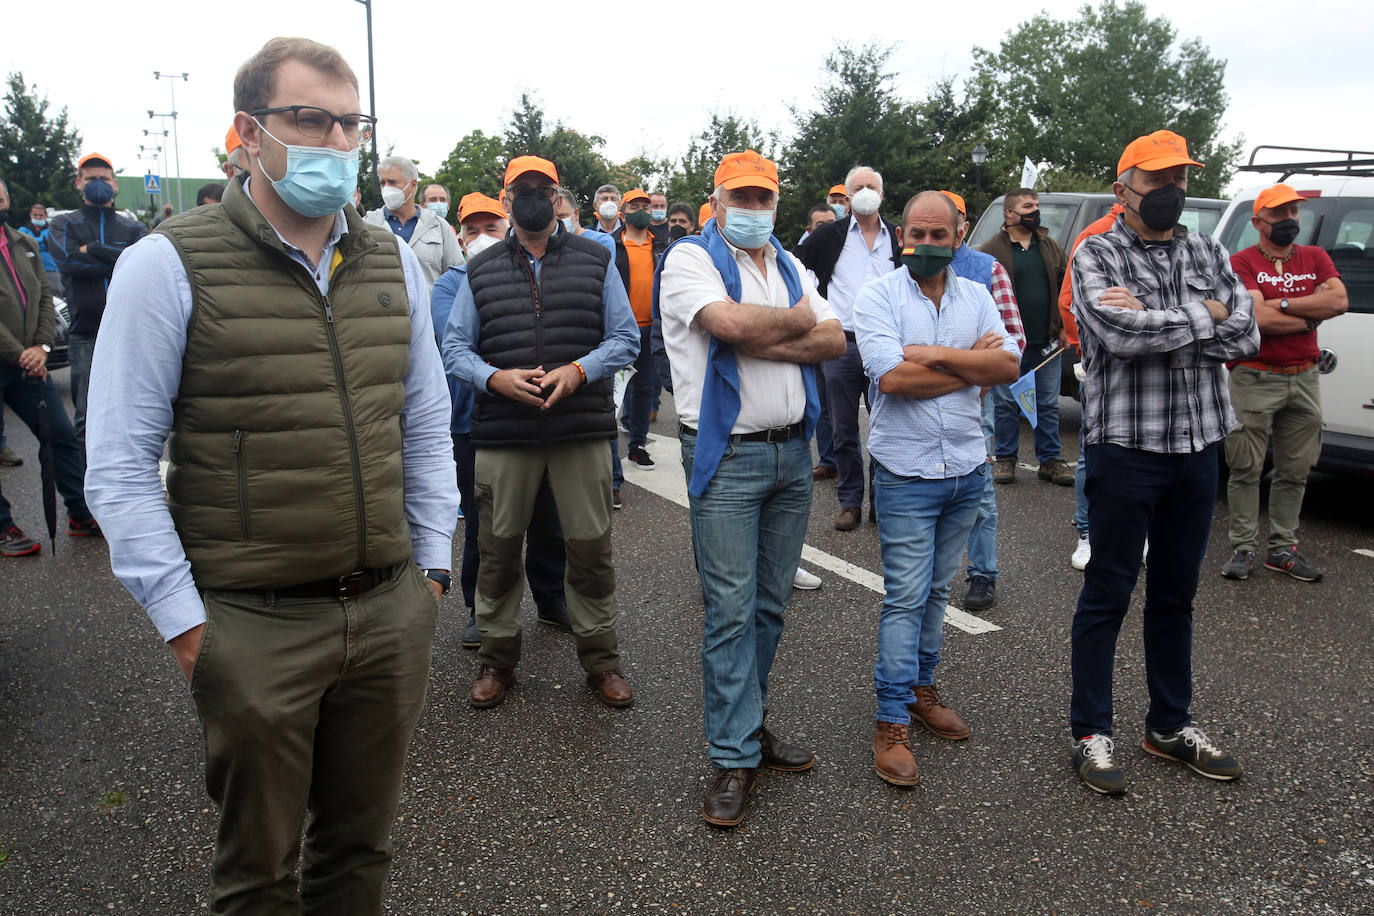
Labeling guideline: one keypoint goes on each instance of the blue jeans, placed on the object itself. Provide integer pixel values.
(747, 532)
(982, 539)
(22, 393)
(825, 445)
(545, 556)
(1008, 415)
(1132, 494)
(1080, 479)
(922, 526)
(80, 352)
(617, 474)
(642, 393)
(845, 384)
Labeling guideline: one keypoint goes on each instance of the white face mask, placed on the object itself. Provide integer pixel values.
(569, 224)
(480, 244)
(394, 198)
(866, 201)
(608, 209)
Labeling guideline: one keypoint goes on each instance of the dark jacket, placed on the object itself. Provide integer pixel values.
(105, 234)
(549, 322)
(821, 249)
(21, 328)
(1056, 262)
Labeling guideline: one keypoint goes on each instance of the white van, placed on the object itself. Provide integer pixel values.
(1338, 215)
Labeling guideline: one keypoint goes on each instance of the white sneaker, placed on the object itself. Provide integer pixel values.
(1082, 553)
(805, 580)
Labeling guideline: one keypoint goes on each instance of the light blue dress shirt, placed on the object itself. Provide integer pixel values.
(934, 438)
(135, 377)
(619, 343)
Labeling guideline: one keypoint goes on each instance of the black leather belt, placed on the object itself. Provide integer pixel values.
(776, 434)
(849, 335)
(349, 586)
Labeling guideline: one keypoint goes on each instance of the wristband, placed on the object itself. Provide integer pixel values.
(581, 371)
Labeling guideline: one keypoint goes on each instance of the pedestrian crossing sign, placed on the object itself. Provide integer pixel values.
(152, 184)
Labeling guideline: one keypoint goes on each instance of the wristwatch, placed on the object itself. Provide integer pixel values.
(1283, 305)
(46, 348)
(441, 576)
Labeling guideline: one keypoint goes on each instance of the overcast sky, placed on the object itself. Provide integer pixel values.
(645, 76)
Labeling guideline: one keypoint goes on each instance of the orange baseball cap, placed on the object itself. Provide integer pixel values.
(231, 140)
(633, 194)
(477, 202)
(1162, 149)
(704, 214)
(958, 202)
(522, 164)
(93, 157)
(838, 189)
(746, 170)
(1276, 196)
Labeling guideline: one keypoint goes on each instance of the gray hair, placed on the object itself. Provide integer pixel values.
(238, 158)
(400, 162)
(862, 168)
(1127, 177)
(569, 197)
(608, 187)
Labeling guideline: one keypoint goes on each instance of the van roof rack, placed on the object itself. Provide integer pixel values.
(1341, 162)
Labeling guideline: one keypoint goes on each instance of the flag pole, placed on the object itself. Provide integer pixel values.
(1048, 358)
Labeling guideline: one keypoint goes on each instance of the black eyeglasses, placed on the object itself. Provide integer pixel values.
(316, 123)
(549, 191)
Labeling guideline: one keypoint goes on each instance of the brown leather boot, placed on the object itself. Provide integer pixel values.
(892, 758)
(490, 687)
(930, 711)
(612, 688)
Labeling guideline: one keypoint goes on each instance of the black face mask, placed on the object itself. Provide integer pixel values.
(1283, 232)
(1030, 221)
(532, 211)
(1161, 208)
(677, 232)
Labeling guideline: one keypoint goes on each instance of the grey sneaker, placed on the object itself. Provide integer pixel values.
(1191, 746)
(471, 639)
(1288, 560)
(1092, 759)
(1239, 566)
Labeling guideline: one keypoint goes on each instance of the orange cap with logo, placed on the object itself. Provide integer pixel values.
(958, 202)
(1276, 196)
(93, 157)
(477, 202)
(231, 140)
(1162, 149)
(522, 164)
(838, 189)
(746, 170)
(704, 214)
(633, 194)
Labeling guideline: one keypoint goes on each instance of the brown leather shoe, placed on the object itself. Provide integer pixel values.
(779, 755)
(490, 687)
(822, 472)
(1057, 471)
(726, 796)
(849, 518)
(892, 759)
(612, 687)
(930, 711)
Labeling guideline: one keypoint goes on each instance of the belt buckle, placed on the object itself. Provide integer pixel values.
(779, 434)
(344, 583)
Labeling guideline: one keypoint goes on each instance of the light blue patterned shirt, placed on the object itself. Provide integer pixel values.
(135, 377)
(933, 438)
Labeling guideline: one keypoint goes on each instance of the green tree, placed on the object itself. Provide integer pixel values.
(581, 165)
(37, 153)
(1075, 92)
(691, 179)
(474, 164)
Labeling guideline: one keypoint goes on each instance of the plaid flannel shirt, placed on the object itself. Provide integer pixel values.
(1155, 379)
(1005, 299)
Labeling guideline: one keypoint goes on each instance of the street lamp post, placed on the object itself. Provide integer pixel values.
(372, 100)
(980, 155)
(176, 143)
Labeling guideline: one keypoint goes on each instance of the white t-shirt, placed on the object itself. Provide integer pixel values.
(771, 392)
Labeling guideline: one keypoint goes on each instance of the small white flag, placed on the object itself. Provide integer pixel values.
(1029, 174)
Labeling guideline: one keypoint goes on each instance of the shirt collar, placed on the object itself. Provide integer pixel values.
(339, 231)
(855, 227)
(769, 252)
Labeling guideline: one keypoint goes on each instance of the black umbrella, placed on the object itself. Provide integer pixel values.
(45, 467)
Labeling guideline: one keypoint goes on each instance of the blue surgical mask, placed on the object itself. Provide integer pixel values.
(319, 180)
(40, 223)
(840, 211)
(569, 224)
(438, 208)
(658, 216)
(98, 191)
(747, 228)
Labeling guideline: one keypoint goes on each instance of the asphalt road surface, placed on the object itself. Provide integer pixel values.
(553, 803)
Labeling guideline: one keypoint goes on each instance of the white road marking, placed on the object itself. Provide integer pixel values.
(668, 481)
(1364, 552)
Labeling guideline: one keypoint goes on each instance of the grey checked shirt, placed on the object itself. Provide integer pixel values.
(1155, 379)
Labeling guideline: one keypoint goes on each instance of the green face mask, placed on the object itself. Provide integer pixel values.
(640, 219)
(927, 260)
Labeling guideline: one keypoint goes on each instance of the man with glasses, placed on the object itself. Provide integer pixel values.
(284, 350)
(539, 326)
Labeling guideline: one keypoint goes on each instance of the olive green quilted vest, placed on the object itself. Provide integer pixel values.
(285, 450)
